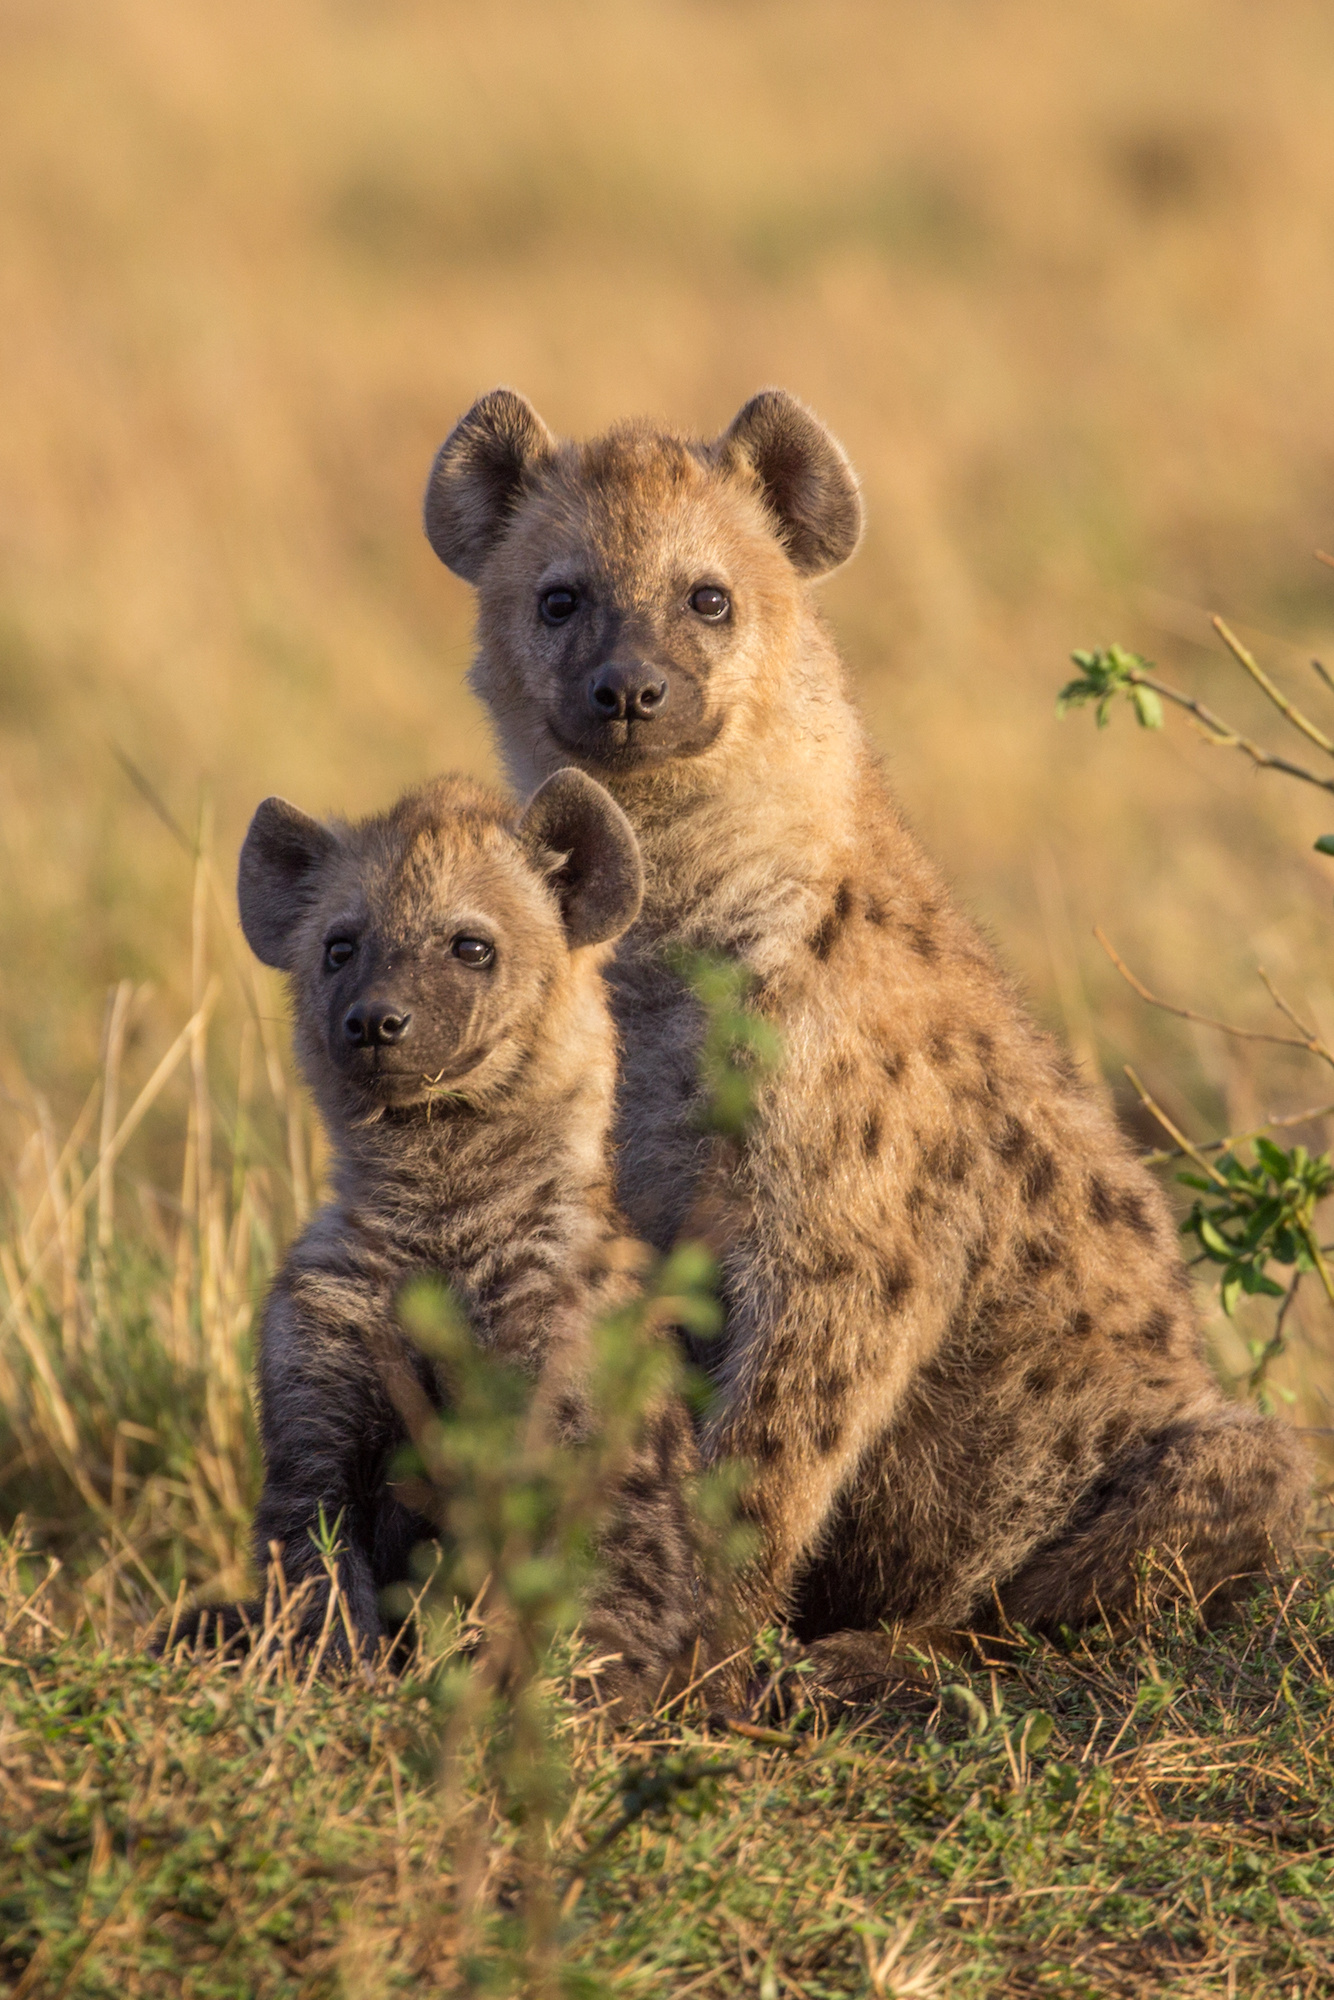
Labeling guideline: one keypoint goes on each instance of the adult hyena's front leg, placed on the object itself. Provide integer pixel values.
(803, 1401)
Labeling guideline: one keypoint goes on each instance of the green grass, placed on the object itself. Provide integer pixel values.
(1141, 1813)
(1144, 1811)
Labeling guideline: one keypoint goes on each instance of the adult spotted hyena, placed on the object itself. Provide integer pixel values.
(445, 965)
(961, 1356)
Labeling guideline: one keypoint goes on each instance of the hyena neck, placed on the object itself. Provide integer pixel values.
(738, 856)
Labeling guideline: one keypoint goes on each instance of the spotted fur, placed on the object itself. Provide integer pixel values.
(961, 1356)
(476, 1149)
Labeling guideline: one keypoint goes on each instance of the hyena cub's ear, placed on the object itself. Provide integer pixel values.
(281, 858)
(579, 836)
(477, 476)
(810, 487)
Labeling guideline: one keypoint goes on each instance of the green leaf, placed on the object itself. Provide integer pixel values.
(1325, 844)
(966, 1705)
(1148, 708)
(1212, 1239)
(1037, 1730)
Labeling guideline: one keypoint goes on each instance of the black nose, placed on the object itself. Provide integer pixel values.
(375, 1024)
(619, 694)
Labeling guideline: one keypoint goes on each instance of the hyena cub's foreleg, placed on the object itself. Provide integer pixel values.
(647, 1609)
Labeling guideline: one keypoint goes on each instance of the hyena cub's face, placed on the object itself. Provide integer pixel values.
(635, 592)
(424, 945)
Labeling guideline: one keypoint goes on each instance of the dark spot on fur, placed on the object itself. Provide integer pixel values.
(766, 1445)
(940, 1048)
(1039, 1176)
(1039, 1253)
(1101, 1206)
(1156, 1331)
(894, 1282)
(821, 939)
(1068, 1444)
(1134, 1214)
(893, 1064)
(874, 913)
(1012, 1141)
(1114, 1433)
(1080, 1324)
(917, 1199)
(871, 1135)
(1040, 1381)
(828, 1435)
(824, 937)
(923, 943)
(947, 1160)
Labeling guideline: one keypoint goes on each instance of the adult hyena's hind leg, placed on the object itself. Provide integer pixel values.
(1219, 1498)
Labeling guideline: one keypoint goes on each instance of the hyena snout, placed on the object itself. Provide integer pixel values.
(376, 1022)
(627, 692)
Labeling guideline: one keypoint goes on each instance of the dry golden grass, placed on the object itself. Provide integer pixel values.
(1059, 277)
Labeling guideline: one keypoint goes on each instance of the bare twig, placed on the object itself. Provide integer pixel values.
(1221, 735)
(1275, 1344)
(1208, 1020)
(1313, 1041)
(1156, 1111)
(1225, 1145)
(1271, 689)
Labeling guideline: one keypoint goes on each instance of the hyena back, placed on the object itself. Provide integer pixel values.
(961, 1357)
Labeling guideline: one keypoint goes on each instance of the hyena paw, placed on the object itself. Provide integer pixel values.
(864, 1667)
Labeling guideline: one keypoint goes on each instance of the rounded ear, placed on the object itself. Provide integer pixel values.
(807, 481)
(579, 837)
(281, 858)
(477, 476)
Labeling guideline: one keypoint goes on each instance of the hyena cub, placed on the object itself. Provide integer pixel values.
(445, 965)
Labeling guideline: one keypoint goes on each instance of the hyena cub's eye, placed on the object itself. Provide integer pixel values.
(558, 604)
(473, 950)
(710, 602)
(337, 952)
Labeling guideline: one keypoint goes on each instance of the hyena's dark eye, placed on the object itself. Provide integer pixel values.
(337, 952)
(558, 604)
(473, 950)
(710, 602)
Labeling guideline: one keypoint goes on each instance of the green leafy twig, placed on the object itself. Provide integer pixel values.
(1114, 671)
(1246, 1217)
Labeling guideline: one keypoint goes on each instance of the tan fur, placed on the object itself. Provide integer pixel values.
(961, 1355)
(472, 1145)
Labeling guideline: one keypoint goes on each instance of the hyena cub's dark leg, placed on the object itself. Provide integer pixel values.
(647, 1607)
(1220, 1498)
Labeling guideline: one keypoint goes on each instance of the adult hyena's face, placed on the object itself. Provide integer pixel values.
(638, 595)
(630, 616)
(425, 946)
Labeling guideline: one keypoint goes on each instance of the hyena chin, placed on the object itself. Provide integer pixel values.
(961, 1359)
(445, 964)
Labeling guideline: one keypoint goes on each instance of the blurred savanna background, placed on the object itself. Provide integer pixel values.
(1061, 278)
